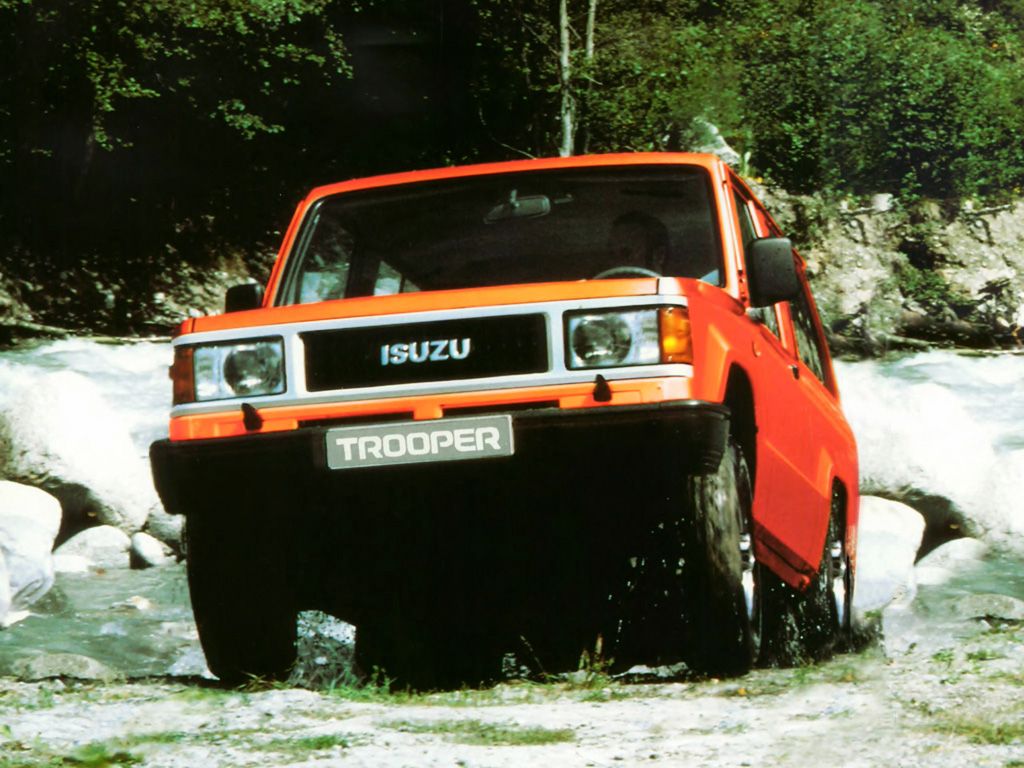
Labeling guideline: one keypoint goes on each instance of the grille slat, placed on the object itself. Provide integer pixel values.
(469, 348)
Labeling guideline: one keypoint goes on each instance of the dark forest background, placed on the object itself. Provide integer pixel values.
(142, 134)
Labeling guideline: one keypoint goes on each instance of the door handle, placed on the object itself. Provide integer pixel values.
(795, 370)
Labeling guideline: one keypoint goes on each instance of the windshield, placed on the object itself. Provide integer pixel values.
(504, 229)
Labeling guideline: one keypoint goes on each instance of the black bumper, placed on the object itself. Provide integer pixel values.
(540, 532)
(642, 442)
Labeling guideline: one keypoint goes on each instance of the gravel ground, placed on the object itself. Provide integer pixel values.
(959, 705)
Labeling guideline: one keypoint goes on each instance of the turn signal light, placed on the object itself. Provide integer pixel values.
(183, 377)
(676, 338)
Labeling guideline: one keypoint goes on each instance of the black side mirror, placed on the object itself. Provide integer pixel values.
(771, 271)
(242, 297)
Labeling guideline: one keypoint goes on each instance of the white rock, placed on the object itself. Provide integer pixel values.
(29, 521)
(70, 563)
(60, 434)
(103, 546)
(942, 563)
(148, 551)
(888, 539)
(5, 590)
(49, 665)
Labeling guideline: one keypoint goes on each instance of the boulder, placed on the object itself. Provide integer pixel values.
(73, 665)
(942, 563)
(58, 433)
(147, 551)
(101, 547)
(29, 521)
(167, 528)
(991, 607)
(889, 536)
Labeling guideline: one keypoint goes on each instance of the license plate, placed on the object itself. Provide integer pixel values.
(418, 442)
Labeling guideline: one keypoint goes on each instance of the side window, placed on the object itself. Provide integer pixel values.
(764, 315)
(390, 281)
(747, 232)
(807, 341)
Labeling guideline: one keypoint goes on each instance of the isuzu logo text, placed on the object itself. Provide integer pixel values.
(422, 351)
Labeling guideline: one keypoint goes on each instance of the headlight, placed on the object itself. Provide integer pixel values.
(609, 339)
(628, 337)
(237, 369)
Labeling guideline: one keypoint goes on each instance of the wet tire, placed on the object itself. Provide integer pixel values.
(729, 603)
(683, 597)
(811, 625)
(243, 607)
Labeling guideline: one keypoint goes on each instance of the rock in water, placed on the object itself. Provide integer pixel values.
(29, 521)
(72, 665)
(147, 551)
(992, 607)
(58, 433)
(101, 547)
(889, 537)
(943, 563)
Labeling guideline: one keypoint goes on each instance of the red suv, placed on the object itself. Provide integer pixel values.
(517, 410)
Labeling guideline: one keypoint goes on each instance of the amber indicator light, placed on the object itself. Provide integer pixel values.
(676, 339)
(183, 376)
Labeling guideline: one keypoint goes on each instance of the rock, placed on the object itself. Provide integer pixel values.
(147, 551)
(5, 590)
(990, 606)
(71, 563)
(103, 547)
(29, 521)
(889, 537)
(50, 665)
(941, 564)
(167, 528)
(59, 434)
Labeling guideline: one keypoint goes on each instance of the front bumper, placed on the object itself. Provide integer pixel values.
(542, 531)
(677, 438)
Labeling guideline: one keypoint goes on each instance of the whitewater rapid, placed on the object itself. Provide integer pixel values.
(944, 424)
(938, 423)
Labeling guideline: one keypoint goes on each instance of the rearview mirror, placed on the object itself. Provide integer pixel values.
(519, 207)
(242, 297)
(771, 271)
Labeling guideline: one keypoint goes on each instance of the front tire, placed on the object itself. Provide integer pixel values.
(729, 602)
(691, 594)
(243, 606)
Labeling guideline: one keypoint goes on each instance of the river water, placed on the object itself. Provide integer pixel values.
(937, 424)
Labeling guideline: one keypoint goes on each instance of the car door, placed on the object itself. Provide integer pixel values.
(786, 504)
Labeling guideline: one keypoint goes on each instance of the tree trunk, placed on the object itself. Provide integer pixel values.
(568, 108)
(588, 57)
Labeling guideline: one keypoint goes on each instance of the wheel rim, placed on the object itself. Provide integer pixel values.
(838, 570)
(748, 563)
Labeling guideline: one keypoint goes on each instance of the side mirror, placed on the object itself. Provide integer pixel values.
(242, 297)
(771, 271)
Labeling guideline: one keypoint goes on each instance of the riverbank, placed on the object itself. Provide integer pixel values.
(953, 707)
(888, 274)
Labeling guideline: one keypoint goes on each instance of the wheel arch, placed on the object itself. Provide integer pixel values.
(739, 397)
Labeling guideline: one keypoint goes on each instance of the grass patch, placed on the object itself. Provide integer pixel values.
(95, 755)
(303, 744)
(979, 731)
(479, 733)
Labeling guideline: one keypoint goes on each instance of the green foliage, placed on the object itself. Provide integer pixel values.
(927, 287)
(140, 134)
(481, 733)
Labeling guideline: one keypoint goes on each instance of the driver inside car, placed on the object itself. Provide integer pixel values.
(638, 239)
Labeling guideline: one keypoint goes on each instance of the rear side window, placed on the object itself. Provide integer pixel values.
(807, 341)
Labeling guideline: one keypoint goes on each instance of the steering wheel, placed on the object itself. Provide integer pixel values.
(626, 271)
